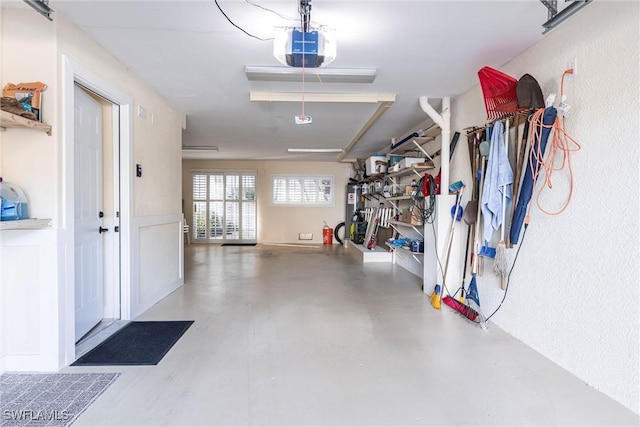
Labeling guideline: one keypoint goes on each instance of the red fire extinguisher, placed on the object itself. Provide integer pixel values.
(327, 234)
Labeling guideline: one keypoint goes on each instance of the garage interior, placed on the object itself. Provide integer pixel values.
(224, 173)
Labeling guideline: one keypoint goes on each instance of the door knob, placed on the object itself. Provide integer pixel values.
(103, 230)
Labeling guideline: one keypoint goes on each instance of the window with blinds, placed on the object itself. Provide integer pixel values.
(302, 190)
(224, 206)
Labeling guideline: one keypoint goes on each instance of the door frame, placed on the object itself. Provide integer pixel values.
(73, 72)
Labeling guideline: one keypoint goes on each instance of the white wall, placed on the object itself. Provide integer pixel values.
(33, 262)
(574, 294)
(30, 275)
(279, 224)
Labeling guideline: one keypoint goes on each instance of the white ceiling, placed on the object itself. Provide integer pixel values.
(192, 56)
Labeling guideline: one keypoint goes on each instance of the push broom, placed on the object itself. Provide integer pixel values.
(436, 296)
(470, 310)
(472, 291)
(459, 305)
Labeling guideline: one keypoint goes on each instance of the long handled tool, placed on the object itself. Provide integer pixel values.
(500, 261)
(373, 240)
(540, 139)
(436, 296)
(459, 305)
(471, 309)
(478, 229)
(468, 246)
(522, 149)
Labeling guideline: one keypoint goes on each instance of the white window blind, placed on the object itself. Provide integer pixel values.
(224, 206)
(303, 190)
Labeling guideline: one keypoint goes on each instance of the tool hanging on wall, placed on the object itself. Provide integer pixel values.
(469, 308)
(468, 246)
(500, 260)
(484, 249)
(519, 156)
(499, 92)
(543, 121)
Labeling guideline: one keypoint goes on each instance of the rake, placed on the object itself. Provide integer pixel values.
(499, 92)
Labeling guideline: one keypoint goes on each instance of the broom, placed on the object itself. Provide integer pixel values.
(436, 296)
(459, 305)
(461, 308)
(472, 296)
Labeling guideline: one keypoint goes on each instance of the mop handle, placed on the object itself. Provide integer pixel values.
(504, 187)
(477, 231)
(450, 239)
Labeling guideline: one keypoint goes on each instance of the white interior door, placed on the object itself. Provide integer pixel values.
(89, 253)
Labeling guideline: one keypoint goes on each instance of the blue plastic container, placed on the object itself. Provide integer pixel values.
(13, 202)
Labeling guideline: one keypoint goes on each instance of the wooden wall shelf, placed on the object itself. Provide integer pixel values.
(8, 120)
(25, 224)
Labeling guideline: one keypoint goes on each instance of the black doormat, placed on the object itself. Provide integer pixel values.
(138, 343)
(239, 244)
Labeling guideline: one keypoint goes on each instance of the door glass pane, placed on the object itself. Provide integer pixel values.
(232, 189)
(216, 187)
(199, 187)
(224, 206)
(248, 187)
(233, 220)
(216, 220)
(249, 220)
(199, 224)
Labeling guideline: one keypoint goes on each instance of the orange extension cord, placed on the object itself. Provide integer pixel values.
(561, 144)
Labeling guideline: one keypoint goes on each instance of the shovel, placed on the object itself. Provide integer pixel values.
(471, 209)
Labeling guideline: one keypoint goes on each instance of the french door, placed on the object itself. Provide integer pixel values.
(224, 207)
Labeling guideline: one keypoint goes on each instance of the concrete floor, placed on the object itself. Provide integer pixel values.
(308, 336)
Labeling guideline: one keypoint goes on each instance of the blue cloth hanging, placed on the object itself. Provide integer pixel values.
(498, 179)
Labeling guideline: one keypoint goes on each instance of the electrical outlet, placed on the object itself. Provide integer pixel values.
(305, 236)
(142, 112)
(573, 64)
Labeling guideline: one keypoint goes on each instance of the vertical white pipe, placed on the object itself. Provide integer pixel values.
(444, 200)
(446, 141)
(443, 120)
